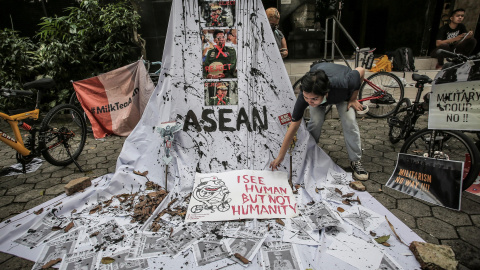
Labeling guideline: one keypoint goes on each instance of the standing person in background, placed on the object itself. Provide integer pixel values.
(454, 37)
(274, 19)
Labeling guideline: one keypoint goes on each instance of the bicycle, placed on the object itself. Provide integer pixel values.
(59, 139)
(380, 91)
(440, 144)
(153, 75)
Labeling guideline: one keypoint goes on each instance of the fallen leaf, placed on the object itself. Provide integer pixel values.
(338, 191)
(56, 228)
(382, 239)
(51, 263)
(386, 244)
(140, 173)
(348, 195)
(373, 234)
(316, 190)
(69, 226)
(347, 202)
(107, 260)
(279, 221)
(341, 210)
(241, 258)
(38, 212)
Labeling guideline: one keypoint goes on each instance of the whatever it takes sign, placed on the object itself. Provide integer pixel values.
(435, 181)
(241, 195)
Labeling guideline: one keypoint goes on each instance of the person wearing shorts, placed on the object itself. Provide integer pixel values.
(324, 84)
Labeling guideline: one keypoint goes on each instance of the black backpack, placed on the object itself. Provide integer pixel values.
(403, 59)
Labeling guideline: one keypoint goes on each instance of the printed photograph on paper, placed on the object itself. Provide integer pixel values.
(298, 231)
(106, 234)
(247, 243)
(208, 251)
(337, 178)
(219, 57)
(122, 263)
(148, 245)
(182, 238)
(84, 260)
(217, 13)
(362, 218)
(280, 255)
(218, 93)
(57, 248)
(320, 215)
(42, 230)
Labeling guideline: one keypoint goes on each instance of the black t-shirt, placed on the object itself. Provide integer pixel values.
(445, 32)
(343, 81)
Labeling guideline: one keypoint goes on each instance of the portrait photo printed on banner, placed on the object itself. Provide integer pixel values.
(218, 93)
(216, 13)
(219, 57)
(82, 260)
(278, 255)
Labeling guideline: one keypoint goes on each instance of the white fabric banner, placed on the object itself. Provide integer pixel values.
(228, 118)
(240, 195)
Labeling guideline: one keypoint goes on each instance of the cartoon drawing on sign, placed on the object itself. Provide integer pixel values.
(212, 193)
(166, 131)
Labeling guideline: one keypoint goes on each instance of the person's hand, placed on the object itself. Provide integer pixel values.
(355, 105)
(275, 163)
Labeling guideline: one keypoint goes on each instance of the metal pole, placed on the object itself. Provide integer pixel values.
(326, 39)
(333, 37)
(166, 173)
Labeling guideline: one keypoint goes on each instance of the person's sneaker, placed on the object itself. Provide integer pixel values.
(358, 171)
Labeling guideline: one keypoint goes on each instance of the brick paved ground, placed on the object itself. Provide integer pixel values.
(460, 230)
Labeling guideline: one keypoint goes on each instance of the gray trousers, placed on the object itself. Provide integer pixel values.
(351, 132)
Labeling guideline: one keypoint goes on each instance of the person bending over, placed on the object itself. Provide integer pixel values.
(328, 83)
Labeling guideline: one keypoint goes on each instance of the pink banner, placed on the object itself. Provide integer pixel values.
(114, 101)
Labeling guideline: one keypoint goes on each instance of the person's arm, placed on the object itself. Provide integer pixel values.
(450, 40)
(284, 49)
(292, 130)
(353, 102)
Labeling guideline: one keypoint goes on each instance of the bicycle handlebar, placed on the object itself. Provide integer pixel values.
(12, 92)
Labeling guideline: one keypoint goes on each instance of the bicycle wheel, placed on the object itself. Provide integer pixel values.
(62, 131)
(74, 101)
(399, 121)
(447, 144)
(378, 84)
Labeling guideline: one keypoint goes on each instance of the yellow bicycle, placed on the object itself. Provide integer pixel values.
(59, 139)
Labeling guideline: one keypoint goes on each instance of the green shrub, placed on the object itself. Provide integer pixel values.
(95, 37)
(16, 65)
